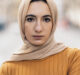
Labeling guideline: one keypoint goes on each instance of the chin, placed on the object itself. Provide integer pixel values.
(38, 43)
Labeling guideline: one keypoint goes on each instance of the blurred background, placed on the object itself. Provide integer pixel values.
(68, 26)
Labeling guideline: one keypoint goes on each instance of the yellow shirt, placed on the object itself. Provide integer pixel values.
(66, 62)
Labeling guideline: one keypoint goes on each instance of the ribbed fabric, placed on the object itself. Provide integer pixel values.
(66, 62)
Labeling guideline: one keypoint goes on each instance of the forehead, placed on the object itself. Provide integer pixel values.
(38, 8)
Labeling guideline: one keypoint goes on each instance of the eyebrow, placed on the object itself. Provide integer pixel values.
(31, 15)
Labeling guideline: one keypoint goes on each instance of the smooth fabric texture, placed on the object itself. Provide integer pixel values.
(66, 62)
(29, 51)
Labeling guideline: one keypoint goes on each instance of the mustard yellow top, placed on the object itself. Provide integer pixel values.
(66, 62)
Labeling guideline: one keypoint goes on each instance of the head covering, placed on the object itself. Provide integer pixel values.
(29, 51)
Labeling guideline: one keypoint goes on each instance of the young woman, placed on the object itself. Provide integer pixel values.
(41, 54)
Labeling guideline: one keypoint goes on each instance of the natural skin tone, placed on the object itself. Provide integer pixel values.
(38, 21)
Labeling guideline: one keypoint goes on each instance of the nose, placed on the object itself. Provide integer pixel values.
(38, 27)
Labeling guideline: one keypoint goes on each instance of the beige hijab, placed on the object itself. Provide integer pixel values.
(29, 51)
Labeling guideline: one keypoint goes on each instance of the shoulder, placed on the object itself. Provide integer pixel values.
(73, 61)
(6, 67)
(3, 69)
(73, 53)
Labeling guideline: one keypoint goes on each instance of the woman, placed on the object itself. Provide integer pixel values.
(41, 54)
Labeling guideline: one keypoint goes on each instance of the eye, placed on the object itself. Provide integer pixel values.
(47, 19)
(30, 19)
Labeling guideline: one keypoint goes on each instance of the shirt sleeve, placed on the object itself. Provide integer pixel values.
(74, 63)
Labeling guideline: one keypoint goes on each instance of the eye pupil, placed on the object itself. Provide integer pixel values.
(29, 19)
(47, 19)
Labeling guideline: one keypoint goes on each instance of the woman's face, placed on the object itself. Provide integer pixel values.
(38, 23)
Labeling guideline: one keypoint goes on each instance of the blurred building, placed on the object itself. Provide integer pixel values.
(72, 11)
(9, 9)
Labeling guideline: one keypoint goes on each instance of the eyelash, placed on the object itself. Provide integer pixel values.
(32, 19)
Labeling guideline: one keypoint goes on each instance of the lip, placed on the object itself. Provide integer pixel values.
(37, 37)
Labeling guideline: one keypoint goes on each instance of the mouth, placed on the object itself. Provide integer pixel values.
(38, 37)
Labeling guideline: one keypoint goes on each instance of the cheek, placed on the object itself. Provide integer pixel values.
(48, 28)
(28, 30)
